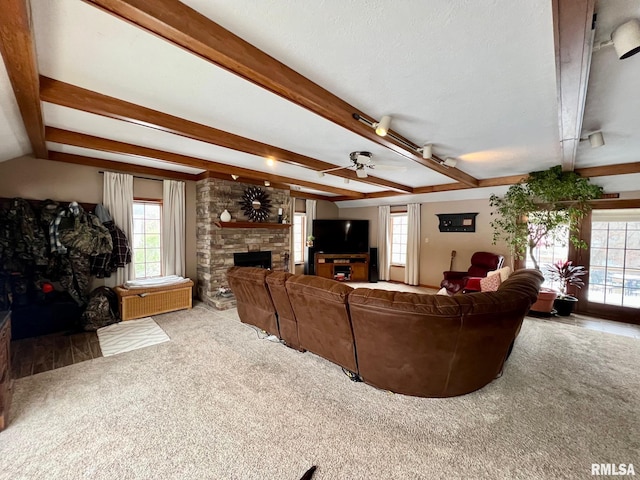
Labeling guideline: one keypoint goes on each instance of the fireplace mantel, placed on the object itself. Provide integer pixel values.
(252, 225)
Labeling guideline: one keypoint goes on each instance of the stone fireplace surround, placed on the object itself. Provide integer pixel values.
(215, 246)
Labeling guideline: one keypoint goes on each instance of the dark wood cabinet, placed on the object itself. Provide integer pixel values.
(344, 267)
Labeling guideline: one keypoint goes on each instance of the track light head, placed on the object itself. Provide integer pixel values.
(427, 151)
(626, 39)
(596, 139)
(320, 174)
(267, 183)
(450, 162)
(382, 127)
(235, 177)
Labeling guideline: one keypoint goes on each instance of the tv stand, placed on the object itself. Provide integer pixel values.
(343, 266)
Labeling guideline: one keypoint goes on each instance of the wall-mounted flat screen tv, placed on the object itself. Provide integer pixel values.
(341, 236)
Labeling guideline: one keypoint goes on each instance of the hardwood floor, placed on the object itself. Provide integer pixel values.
(40, 354)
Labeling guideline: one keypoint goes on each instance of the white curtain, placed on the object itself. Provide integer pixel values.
(117, 197)
(412, 268)
(173, 228)
(310, 209)
(384, 241)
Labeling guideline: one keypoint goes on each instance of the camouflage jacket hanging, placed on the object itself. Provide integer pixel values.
(23, 243)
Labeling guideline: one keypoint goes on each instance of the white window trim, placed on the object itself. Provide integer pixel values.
(396, 214)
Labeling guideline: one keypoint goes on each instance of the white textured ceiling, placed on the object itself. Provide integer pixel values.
(13, 136)
(476, 79)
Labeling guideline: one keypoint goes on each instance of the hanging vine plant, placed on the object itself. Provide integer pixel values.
(256, 204)
(535, 209)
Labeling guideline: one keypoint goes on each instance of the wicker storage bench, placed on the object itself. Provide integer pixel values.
(143, 302)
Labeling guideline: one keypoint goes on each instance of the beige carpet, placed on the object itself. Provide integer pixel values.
(219, 403)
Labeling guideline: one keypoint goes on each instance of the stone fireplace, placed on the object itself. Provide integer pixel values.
(252, 259)
(217, 243)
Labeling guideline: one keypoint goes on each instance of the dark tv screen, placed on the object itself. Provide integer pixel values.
(341, 236)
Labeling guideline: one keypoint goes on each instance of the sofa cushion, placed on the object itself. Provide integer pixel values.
(286, 318)
(504, 273)
(490, 283)
(322, 315)
(253, 299)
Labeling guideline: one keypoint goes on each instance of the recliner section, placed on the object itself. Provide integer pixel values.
(416, 344)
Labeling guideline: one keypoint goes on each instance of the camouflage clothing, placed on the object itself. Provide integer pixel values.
(23, 243)
(102, 309)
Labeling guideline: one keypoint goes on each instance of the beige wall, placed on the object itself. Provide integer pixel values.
(436, 246)
(38, 179)
(326, 210)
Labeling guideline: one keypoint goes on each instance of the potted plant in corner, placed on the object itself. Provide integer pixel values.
(535, 209)
(566, 274)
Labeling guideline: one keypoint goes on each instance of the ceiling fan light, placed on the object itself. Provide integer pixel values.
(596, 139)
(361, 173)
(626, 39)
(382, 127)
(427, 151)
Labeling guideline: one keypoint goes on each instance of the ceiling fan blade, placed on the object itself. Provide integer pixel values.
(395, 168)
(361, 173)
(322, 172)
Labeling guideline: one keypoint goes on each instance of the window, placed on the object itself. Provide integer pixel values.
(299, 235)
(614, 271)
(147, 245)
(399, 231)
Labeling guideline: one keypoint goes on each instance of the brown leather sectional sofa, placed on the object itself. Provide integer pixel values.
(415, 344)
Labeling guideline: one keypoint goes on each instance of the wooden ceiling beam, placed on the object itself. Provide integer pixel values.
(19, 53)
(606, 170)
(573, 34)
(119, 166)
(71, 96)
(251, 181)
(185, 27)
(67, 137)
(310, 196)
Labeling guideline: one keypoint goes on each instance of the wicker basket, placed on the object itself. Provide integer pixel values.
(144, 302)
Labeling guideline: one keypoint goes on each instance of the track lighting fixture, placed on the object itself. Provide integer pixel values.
(427, 151)
(626, 39)
(267, 183)
(320, 174)
(382, 127)
(596, 139)
(449, 162)
(235, 177)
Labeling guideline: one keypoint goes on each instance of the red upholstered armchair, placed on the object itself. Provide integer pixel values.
(481, 264)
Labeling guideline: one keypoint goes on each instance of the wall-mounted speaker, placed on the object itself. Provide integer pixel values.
(373, 265)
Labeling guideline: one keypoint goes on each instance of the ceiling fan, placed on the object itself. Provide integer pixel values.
(360, 162)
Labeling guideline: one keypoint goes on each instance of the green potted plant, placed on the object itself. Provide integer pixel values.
(566, 274)
(535, 209)
(310, 240)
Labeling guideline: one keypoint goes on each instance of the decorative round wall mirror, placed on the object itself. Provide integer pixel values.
(256, 204)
